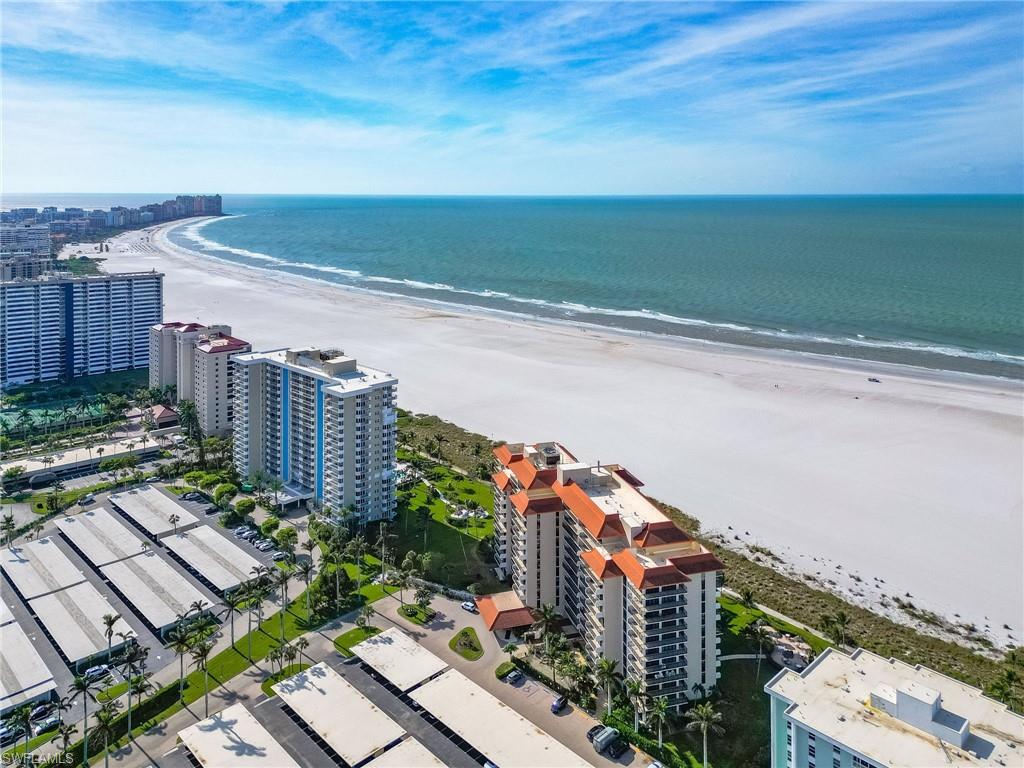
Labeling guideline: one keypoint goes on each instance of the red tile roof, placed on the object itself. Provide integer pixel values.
(159, 412)
(702, 562)
(588, 513)
(223, 344)
(656, 534)
(604, 567)
(503, 454)
(644, 578)
(501, 480)
(527, 506)
(503, 611)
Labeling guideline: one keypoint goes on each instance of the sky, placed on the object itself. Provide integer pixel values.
(513, 98)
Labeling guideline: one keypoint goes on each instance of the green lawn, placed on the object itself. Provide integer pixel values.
(740, 616)
(456, 546)
(415, 614)
(113, 692)
(33, 744)
(343, 643)
(467, 644)
(503, 669)
(284, 674)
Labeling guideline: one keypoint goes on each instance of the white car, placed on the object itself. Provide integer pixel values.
(470, 606)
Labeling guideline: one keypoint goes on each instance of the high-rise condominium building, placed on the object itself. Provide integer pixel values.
(321, 423)
(59, 327)
(25, 238)
(865, 711)
(583, 538)
(194, 359)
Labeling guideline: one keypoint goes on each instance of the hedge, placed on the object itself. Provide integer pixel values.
(663, 754)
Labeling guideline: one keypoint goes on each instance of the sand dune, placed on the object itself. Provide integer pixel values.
(916, 480)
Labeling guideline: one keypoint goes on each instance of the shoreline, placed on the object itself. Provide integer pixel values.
(764, 446)
(827, 346)
(864, 365)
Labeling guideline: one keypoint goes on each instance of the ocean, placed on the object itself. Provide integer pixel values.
(933, 281)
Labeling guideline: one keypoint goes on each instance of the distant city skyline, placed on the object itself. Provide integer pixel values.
(545, 99)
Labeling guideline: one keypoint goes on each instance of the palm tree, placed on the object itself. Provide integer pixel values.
(759, 635)
(276, 485)
(8, 527)
(608, 677)
(134, 658)
(174, 519)
(510, 649)
(554, 648)
(233, 602)
(282, 579)
(334, 559)
(301, 645)
(305, 569)
(66, 732)
(104, 728)
(365, 614)
(705, 719)
(109, 621)
(84, 687)
(547, 622)
(200, 657)
(837, 625)
(22, 716)
(747, 597)
(180, 643)
(635, 692)
(658, 714)
(439, 438)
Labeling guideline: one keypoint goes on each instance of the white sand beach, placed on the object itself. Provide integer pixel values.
(913, 485)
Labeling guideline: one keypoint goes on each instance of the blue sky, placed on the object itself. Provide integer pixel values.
(513, 98)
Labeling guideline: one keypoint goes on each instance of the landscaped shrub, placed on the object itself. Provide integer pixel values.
(665, 756)
(225, 491)
(193, 477)
(245, 506)
(208, 480)
(269, 526)
(502, 670)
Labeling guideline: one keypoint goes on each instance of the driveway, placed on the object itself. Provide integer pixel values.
(531, 699)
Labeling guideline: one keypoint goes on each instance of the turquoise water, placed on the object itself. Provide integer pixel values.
(931, 281)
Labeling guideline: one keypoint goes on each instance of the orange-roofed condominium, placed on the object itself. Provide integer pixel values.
(639, 590)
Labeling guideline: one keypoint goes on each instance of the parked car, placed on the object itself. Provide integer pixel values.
(10, 734)
(213, 510)
(514, 676)
(617, 748)
(240, 530)
(558, 704)
(470, 606)
(86, 500)
(41, 711)
(278, 556)
(250, 534)
(48, 724)
(594, 731)
(97, 673)
(266, 546)
(190, 496)
(604, 739)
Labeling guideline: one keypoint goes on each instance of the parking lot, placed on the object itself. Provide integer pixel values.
(159, 656)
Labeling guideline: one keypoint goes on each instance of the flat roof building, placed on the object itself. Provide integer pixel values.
(157, 592)
(39, 568)
(100, 536)
(153, 512)
(56, 327)
(24, 676)
(399, 659)
(867, 711)
(233, 738)
(349, 723)
(321, 423)
(73, 621)
(220, 563)
(406, 754)
(497, 731)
